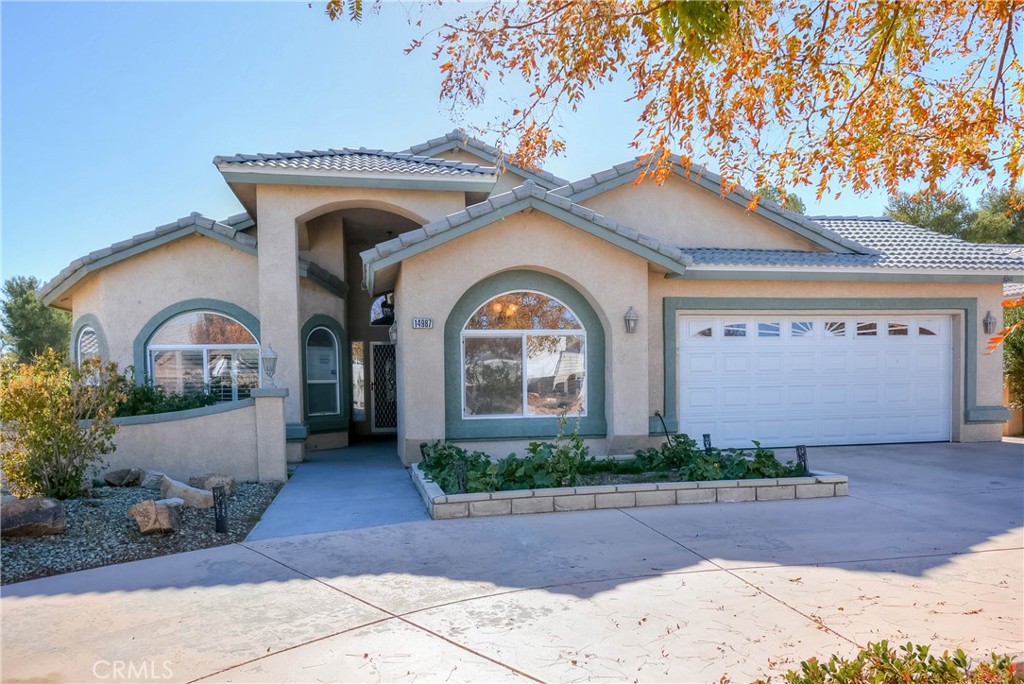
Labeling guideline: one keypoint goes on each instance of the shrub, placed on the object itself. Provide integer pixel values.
(146, 399)
(878, 664)
(681, 454)
(55, 422)
(454, 469)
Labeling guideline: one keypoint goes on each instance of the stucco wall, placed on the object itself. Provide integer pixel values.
(686, 215)
(222, 442)
(610, 279)
(125, 296)
(989, 367)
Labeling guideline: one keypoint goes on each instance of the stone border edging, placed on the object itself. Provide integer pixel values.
(443, 506)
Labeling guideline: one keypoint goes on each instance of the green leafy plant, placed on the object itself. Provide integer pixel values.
(55, 423)
(877, 663)
(147, 398)
(454, 469)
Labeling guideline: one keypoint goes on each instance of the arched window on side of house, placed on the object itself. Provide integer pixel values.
(523, 355)
(323, 388)
(201, 350)
(87, 346)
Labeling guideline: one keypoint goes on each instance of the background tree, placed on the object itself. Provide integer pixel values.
(787, 200)
(31, 327)
(994, 220)
(786, 93)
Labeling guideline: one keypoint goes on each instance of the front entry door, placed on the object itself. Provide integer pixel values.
(383, 388)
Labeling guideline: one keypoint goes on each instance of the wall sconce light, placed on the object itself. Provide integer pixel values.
(631, 319)
(393, 333)
(988, 323)
(269, 358)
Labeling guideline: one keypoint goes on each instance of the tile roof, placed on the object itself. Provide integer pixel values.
(898, 246)
(629, 170)
(459, 138)
(352, 160)
(193, 223)
(527, 190)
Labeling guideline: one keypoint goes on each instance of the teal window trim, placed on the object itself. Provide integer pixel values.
(339, 422)
(201, 304)
(968, 307)
(88, 321)
(459, 428)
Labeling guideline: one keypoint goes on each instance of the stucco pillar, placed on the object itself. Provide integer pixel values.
(270, 434)
(279, 296)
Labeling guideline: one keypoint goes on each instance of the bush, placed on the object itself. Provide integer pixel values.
(878, 664)
(546, 464)
(680, 454)
(146, 399)
(55, 423)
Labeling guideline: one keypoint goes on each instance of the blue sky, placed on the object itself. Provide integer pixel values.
(112, 112)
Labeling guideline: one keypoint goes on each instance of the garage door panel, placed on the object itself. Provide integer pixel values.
(826, 379)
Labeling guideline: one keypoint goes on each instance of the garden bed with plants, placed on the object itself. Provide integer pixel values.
(562, 476)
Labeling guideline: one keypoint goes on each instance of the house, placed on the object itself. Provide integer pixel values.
(428, 295)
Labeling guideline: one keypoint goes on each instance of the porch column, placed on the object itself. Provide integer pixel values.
(279, 301)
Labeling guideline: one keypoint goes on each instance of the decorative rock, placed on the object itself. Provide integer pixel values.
(153, 480)
(153, 517)
(125, 477)
(173, 502)
(32, 517)
(211, 480)
(192, 496)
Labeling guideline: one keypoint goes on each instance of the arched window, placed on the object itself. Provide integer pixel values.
(201, 350)
(322, 383)
(87, 346)
(523, 355)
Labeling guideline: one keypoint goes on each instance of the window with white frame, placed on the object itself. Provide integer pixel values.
(523, 355)
(87, 346)
(322, 385)
(204, 351)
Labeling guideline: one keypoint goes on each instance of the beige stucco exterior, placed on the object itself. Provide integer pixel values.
(683, 214)
(299, 224)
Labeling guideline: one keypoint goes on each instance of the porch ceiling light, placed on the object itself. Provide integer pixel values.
(631, 319)
(988, 324)
(269, 358)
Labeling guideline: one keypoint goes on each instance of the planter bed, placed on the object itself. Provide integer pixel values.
(519, 501)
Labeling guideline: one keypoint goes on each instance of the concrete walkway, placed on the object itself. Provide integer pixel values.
(928, 547)
(343, 489)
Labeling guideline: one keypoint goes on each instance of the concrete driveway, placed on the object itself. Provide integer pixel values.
(928, 547)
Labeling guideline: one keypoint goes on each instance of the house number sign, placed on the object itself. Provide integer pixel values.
(422, 323)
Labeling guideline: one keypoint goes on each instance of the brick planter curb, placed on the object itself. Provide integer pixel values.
(520, 501)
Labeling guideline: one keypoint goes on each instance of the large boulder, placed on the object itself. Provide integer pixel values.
(211, 480)
(153, 480)
(174, 502)
(124, 477)
(154, 517)
(32, 517)
(192, 496)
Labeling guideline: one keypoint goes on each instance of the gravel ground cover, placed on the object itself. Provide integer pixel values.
(100, 532)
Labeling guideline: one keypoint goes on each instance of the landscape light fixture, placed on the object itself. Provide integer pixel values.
(631, 319)
(269, 358)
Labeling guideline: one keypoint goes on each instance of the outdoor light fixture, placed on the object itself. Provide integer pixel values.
(988, 323)
(631, 319)
(393, 333)
(269, 358)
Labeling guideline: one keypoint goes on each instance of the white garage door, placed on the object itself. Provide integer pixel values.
(793, 379)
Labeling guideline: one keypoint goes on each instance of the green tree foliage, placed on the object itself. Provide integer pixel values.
(55, 423)
(994, 220)
(786, 200)
(1013, 353)
(31, 327)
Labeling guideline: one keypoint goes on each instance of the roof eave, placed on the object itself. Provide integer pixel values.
(265, 176)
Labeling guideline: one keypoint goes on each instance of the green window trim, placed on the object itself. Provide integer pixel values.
(88, 321)
(200, 304)
(459, 428)
(968, 307)
(330, 423)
